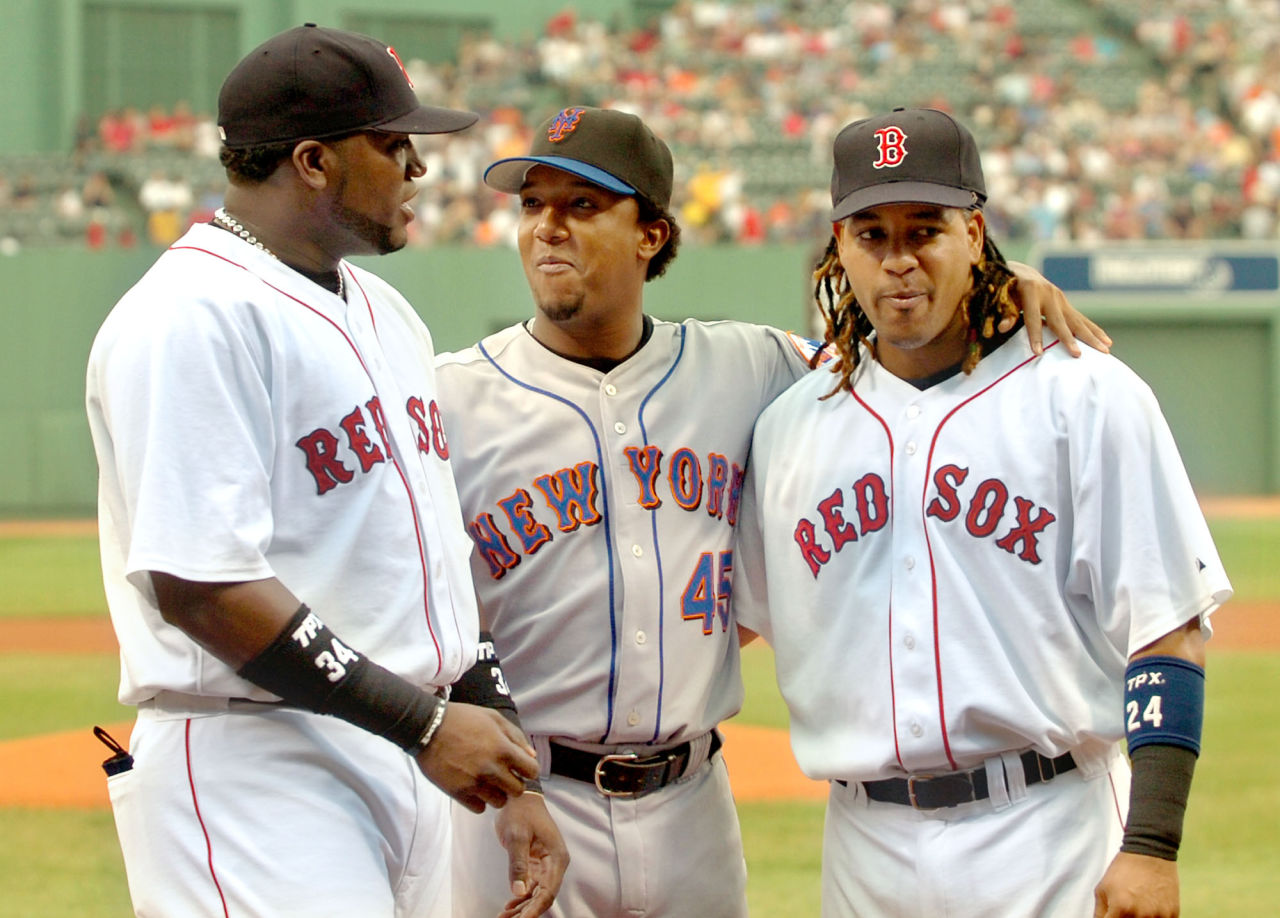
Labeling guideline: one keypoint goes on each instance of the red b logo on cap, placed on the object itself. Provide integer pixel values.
(891, 149)
(400, 64)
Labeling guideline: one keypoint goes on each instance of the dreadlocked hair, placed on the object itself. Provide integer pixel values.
(989, 301)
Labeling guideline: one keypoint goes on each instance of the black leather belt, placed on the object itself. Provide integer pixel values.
(932, 792)
(625, 774)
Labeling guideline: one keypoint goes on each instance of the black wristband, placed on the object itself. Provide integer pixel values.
(308, 667)
(1158, 800)
(485, 685)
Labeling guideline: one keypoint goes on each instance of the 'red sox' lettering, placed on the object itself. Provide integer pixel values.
(983, 509)
(359, 441)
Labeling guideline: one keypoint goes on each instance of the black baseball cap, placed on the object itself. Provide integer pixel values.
(311, 82)
(612, 149)
(909, 155)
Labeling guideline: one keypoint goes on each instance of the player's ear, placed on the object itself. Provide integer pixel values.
(310, 161)
(653, 237)
(977, 231)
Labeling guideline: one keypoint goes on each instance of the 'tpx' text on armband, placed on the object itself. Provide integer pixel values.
(485, 685)
(309, 667)
(1163, 703)
(1164, 713)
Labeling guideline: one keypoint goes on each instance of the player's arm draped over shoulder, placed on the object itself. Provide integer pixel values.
(274, 641)
(1043, 303)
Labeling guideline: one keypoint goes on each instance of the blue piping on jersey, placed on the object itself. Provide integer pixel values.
(657, 553)
(608, 533)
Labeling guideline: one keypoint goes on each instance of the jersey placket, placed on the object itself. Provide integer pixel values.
(912, 635)
(638, 602)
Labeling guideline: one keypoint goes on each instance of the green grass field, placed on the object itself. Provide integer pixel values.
(56, 863)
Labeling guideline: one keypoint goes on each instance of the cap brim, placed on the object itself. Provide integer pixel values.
(429, 119)
(903, 193)
(508, 174)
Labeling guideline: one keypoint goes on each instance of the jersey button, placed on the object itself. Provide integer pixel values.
(620, 428)
(633, 718)
(641, 637)
(909, 563)
(637, 550)
(910, 641)
(911, 448)
(610, 389)
(913, 411)
(916, 729)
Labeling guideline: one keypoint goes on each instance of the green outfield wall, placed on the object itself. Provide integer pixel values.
(1214, 363)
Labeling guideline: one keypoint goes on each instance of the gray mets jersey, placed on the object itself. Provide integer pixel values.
(602, 508)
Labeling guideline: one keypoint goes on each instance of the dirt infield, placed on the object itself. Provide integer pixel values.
(61, 769)
(1240, 626)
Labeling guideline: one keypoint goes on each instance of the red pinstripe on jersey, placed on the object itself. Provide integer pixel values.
(413, 506)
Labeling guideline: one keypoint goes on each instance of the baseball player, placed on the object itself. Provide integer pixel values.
(981, 569)
(280, 531)
(600, 456)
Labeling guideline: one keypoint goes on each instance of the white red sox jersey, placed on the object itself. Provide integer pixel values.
(955, 573)
(249, 424)
(603, 507)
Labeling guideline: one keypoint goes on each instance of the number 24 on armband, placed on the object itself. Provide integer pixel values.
(1152, 715)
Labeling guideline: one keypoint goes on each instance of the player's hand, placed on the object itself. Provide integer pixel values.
(1138, 886)
(477, 757)
(536, 855)
(1043, 303)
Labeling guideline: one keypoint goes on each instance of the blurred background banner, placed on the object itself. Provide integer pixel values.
(1148, 268)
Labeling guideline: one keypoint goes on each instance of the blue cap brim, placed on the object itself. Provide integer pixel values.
(508, 174)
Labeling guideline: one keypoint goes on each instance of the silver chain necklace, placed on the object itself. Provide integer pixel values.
(226, 221)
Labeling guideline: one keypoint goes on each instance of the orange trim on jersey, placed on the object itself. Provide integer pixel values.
(492, 545)
(703, 593)
(685, 464)
(572, 494)
(717, 482)
(646, 465)
(532, 534)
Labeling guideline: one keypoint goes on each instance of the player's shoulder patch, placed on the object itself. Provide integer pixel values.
(807, 347)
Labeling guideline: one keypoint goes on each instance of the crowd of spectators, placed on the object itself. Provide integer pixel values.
(1130, 119)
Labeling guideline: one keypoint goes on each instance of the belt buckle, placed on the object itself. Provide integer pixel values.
(911, 792)
(965, 776)
(599, 772)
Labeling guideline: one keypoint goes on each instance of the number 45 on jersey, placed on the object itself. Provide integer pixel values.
(708, 592)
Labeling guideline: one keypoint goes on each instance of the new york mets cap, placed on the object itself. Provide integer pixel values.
(311, 82)
(909, 155)
(612, 149)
